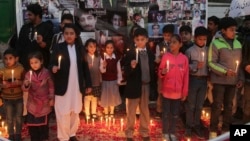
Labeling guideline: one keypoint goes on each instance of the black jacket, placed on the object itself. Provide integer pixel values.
(134, 83)
(61, 77)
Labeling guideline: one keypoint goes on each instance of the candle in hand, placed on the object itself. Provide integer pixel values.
(203, 56)
(164, 50)
(104, 56)
(12, 75)
(237, 65)
(59, 61)
(92, 57)
(35, 36)
(30, 75)
(167, 64)
(137, 55)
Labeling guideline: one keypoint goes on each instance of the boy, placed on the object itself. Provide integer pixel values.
(213, 23)
(186, 36)
(12, 76)
(58, 38)
(139, 69)
(197, 82)
(162, 48)
(224, 59)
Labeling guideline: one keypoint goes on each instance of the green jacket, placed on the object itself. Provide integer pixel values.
(222, 56)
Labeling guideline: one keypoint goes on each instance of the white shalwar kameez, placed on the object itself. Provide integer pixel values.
(68, 106)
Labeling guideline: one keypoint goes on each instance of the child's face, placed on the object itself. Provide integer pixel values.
(175, 45)
(230, 32)
(69, 35)
(91, 48)
(167, 36)
(185, 36)
(10, 60)
(109, 49)
(200, 40)
(35, 63)
(140, 41)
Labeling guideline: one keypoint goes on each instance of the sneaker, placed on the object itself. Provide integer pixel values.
(198, 132)
(165, 137)
(212, 135)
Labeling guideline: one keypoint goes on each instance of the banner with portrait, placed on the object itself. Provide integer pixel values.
(114, 19)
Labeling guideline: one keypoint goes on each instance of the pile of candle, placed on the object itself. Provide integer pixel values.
(3, 129)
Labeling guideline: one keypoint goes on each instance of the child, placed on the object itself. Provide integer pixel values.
(12, 77)
(139, 70)
(111, 77)
(94, 63)
(197, 56)
(40, 87)
(186, 36)
(58, 38)
(173, 71)
(224, 59)
(162, 48)
(71, 77)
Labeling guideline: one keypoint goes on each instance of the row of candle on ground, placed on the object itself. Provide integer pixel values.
(3, 129)
(205, 115)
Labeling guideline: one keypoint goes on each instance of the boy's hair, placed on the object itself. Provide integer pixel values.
(200, 31)
(38, 55)
(169, 28)
(73, 26)
(214, 19)
(10, 51)
(187, 11)
(227, 22)
(36, 9)
(67, 17)
(177, 37)
(141, 32)
(186, 28)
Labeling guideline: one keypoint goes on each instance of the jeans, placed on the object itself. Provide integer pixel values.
(195, 100)
(14, 112)
(222, 96)
(170, 112)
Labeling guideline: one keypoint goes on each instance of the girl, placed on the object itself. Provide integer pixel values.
(40, 88)
(173, 71)
(94, 63)
(71, 77)
(111, 76)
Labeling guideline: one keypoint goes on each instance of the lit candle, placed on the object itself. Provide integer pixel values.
(164, 50)
(113, 121)
(137, 55)
(6, 129)
(207, 115)
(93, 121)
(92, 57)
(188, 139)
(2, 124)
(101, 120)
(237, 65)
(106, 121)
(122, 124)
(59, 61)
(12, 75)
(167, 63)
(203, 56)
(104, 57)
(127, 49)
(203, 113)
(0, 133)
(30, 75)
(0, 117)
(87, 120)
(35, 36)
(151, 122)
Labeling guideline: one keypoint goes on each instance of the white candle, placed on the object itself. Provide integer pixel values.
(237, 65)
(207, 115)
(164, 50)
(137, 55)
(203, 56)
(104, 56)
(92, 57)
(127, 49)
(203, 113)
(2, 124)
(59, 61)
(151, 122)
(6, 129)
(30, 75)
(12, 75)
(101, 120)
(87, 120)
(93, 121)
(167, 63)
(113, 121)
(35, 36)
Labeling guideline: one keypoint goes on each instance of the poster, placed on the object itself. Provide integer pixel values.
(115, 18)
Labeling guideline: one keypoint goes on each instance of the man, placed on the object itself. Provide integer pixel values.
(34, 36)
(87, 21)
(156, 30)
(213, 23)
